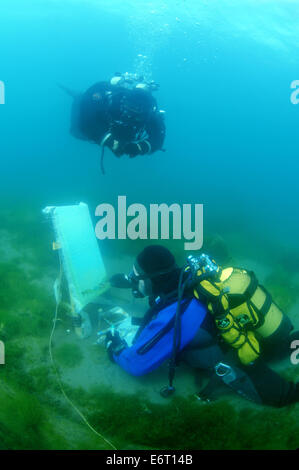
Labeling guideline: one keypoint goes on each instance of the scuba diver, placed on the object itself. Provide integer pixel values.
(221, 321)
(121, 114)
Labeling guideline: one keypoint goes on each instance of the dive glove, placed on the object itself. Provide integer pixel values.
(141, 148)
(114, 344)
(132, 150)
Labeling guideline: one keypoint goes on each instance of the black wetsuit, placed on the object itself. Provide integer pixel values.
(206, 350)
(97, 113)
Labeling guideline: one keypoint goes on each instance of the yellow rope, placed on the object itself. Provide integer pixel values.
(57, 374)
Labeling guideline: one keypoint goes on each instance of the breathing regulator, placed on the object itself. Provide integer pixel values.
(202, 262)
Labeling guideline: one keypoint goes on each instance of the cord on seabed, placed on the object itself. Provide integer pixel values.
(57, 287)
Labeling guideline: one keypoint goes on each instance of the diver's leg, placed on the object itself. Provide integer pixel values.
(203, 352)
(273, 389)
(221, 366)
(257, 383)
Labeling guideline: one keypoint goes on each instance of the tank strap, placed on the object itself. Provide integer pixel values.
(253, 285)
(268, 302)
(255, 314)
(237, 299)
(251, 289)
(262, 312)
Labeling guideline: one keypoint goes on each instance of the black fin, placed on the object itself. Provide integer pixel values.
(68, 91)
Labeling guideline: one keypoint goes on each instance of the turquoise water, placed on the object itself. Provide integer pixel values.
(225, 71)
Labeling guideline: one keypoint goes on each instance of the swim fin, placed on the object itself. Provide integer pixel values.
(68, 91)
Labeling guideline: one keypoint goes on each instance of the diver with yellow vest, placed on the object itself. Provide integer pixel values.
(221, 321)
(244, 311)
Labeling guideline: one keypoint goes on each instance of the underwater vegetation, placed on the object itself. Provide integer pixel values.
(68, 355)
(288, 259)
(216, 247)
(24, 307)
(35, 415)
(22, 418)
(183, 423)
(291, 374)
(283, 287)
(30, 234)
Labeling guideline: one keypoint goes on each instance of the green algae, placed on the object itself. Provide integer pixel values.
(24, 307)
(283, 288)
(31, 235)
(288, 260)
(291, 374)
(216, 247)
(68, 355)
(35, 415)
(183, 423)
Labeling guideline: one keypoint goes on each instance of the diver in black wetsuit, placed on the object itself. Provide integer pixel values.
(156, 276)
(121, 114)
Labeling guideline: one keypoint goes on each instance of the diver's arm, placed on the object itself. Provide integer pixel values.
(137, 148)
(155, 130)
(127, 357)
(123, 355)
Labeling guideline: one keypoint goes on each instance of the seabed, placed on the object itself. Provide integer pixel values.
(129, 412)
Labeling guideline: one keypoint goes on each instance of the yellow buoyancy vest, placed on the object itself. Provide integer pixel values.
(241, 307)
(249, 302)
